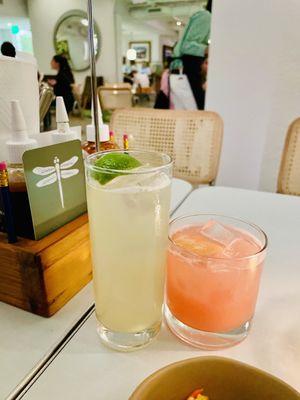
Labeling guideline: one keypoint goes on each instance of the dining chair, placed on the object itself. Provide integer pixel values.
(113, 99)
(192, 138)
(86, 97)
(118, 85)
(289, 174)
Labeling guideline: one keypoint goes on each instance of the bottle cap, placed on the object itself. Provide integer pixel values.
(90, 133)
(90, 129)
(104, 133)
(63, 133)
(19, 142)
(61, 112)
(3, 166)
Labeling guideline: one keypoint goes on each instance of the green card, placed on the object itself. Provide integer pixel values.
(55, 182)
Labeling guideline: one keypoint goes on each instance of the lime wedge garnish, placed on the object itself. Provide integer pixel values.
(114, 161)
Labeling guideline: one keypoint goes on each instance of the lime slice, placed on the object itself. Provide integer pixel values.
(114, 161)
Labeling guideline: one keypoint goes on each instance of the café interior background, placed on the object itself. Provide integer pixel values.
(253, 75)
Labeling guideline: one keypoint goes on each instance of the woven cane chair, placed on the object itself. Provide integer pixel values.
(113, 99)
(118, 85)
(192, 138)
(289, 175)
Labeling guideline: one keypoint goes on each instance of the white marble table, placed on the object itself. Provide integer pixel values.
(27, 340)
(85, 369)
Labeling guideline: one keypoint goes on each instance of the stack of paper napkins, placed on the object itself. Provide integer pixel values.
(18, 81)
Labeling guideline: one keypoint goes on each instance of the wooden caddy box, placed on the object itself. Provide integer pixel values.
(41, 276)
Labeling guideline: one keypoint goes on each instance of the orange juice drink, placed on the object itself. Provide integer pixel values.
(213, 275)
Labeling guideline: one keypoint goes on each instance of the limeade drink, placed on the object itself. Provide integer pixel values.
(128, 218)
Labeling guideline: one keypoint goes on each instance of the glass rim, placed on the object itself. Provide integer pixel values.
(193, 255)
(133, 171)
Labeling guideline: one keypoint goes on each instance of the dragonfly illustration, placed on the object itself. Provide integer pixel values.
(58, 172)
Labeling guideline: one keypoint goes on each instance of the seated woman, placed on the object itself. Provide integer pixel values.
(63, 80)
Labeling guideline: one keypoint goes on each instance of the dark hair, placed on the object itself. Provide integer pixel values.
(8, 49)
(209, 5)
(63, 63)
(64, 67)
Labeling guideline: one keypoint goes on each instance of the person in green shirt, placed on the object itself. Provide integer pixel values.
(190, 51)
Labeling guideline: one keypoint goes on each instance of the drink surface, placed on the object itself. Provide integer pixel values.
(128, 226)
(212, 280)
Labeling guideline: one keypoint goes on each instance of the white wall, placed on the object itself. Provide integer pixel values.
(14, 8)
(152, 37)
(254, 84)
(285, 94)
(43, 18)
(132, 30)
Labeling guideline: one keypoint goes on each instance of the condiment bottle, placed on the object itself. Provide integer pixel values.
(105, 142)
(63, 132)
(104, 135)
(125, 142)
(112, 137)
(16, 146)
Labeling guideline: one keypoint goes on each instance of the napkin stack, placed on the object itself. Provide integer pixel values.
(18, 81)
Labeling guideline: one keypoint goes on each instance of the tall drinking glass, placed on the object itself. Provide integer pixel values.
(128, 217)
(213, 274)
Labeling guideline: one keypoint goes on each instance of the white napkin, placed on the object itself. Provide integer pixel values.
(18, 81)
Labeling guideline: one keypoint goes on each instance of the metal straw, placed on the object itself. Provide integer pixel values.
(93, 71)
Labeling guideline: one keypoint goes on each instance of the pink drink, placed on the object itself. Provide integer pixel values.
(213, 275)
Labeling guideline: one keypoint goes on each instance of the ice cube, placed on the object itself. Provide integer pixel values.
(123, 182)
(156, 180)
(241, 247)
(138, 182)
(219, 233)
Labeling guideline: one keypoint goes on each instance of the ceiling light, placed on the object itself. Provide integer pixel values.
(131, 54)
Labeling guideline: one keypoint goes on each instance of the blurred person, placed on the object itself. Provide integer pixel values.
(62, 84)
(189, 52)
(126, 69)
(140, 80)
(145, 69)
(204, 70)
(8, 49)
(163, 100)
(133, 66)
(203, 76)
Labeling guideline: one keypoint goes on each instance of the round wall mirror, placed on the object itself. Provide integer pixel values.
(71, 39)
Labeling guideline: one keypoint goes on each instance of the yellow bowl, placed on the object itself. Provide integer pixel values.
(221, 378)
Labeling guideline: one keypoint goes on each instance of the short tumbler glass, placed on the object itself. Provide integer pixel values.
(210, 299)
